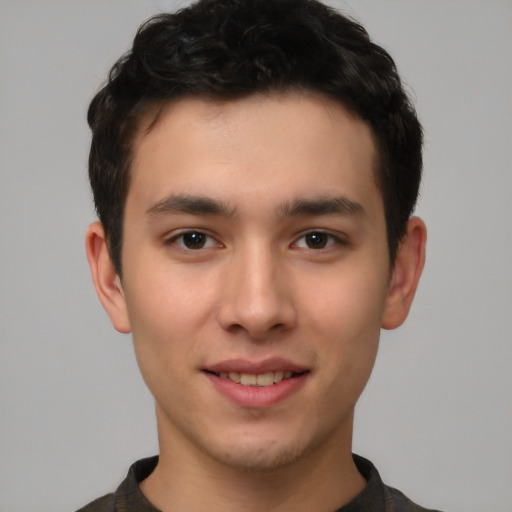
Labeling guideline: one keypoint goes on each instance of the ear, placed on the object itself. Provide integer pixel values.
(104, 276)
(409, 263)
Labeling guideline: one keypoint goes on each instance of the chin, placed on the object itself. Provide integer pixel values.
(265, 449)
(260, 457)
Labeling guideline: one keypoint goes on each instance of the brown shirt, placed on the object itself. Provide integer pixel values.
(375, 497)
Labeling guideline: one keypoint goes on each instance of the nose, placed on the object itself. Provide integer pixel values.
(257, 298)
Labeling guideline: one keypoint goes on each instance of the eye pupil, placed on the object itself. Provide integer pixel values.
(194, 240)
(316, 240)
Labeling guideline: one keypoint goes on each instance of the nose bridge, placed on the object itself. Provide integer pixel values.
(257, 298)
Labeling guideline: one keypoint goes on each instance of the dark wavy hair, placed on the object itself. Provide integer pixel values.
(227, 49)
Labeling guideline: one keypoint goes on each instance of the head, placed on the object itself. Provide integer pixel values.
(254, 166)
(231, 49)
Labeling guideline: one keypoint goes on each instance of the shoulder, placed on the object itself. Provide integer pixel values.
(377, 496)
(128, 495)
(103, 504)
(397, 501)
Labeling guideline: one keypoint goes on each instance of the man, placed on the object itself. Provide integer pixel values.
(255, 166)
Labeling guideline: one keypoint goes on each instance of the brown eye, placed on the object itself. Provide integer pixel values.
(316, 240)
(193, 240)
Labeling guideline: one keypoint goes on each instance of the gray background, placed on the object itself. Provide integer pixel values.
(436, 417)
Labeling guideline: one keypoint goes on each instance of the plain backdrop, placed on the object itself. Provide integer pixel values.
(436, 417)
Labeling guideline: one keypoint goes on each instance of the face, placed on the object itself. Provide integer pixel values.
(255, 274)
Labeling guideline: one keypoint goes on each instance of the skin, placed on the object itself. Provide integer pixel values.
(266, 278)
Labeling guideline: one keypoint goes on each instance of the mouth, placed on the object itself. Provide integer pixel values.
(259, 380)
(257, 384)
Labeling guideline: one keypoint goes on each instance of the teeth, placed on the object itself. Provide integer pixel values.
(278, 376)
(247, 379)
(265, 379)
(260, 380)
(235, 377)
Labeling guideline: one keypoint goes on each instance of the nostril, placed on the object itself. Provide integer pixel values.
(235, 328)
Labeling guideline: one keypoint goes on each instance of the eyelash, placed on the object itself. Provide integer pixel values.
(329, 239)
(174, 240)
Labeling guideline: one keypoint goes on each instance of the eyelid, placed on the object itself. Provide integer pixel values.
(212, 240)
(336, 239)
(173, 239)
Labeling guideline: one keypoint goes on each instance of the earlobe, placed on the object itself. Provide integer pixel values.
(105, 278)
(407, 269)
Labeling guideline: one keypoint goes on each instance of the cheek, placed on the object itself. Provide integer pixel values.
(162, 296)
(170, 309)
(349, 302)
(161, 320)
(345, 321)
(163, 340)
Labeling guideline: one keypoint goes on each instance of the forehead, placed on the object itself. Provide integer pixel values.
(252, 147)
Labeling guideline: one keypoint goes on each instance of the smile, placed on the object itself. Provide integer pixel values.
(257, 388)
(257, 384)
(256, 380)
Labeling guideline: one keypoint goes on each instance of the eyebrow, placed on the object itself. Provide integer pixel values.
(339, 205)
(195, 205)
(202, 205)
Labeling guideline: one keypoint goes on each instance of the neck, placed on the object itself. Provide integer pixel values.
(186, 478)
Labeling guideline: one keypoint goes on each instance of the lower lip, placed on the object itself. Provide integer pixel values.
(257, 397)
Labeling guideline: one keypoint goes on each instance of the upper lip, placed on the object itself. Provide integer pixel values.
(274, 364)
